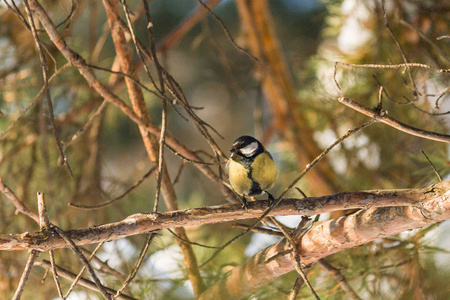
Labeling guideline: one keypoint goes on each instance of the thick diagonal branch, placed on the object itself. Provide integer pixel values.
(278, 87)
(150, 142)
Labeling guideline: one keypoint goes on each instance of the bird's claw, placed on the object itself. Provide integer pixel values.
(244, 203)
(271, 199)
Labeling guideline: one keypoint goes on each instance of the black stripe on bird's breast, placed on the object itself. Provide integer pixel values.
(255, 190)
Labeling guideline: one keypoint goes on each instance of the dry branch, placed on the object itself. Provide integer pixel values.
(26, 272)
(143, 223)
(83, 281)
(382, 117)
(340, 279)
(20, 207)
(150, 142)
(333, 236)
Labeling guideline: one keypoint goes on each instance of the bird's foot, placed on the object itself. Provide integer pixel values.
(244, 203)
(271, 199)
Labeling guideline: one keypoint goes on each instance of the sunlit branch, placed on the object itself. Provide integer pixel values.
(143, 223)
(382, 117)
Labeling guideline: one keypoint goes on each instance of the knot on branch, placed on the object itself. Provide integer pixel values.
(379, 112)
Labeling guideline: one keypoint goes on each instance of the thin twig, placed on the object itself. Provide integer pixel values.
(381, 116)
(44, 225)
(380, 98)
(83, 281)
(432, 165)
(103, 266)
(20, 207)
(91, 118)
(443, 37)
(128, 191)
(18, 13)
(32, 103)
(137, 265)
(189, 242)
(198, 162)
(408, 102)
(179, 172)
(322, 155)
(83, 259)
(405, 59)
(44, 69)
(393, 66)
(153, 45)
(340, 279)
(55, 274)
(426, 39)
(381, 66)
(261, 230)
(227, 33)
(160, 156)
(26, 272)
(130, 29)
(75, 281)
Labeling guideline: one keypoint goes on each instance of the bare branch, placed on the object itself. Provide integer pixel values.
(161, 168)
(330, 237)
(83, 281)
(340, 279)
(26, 272)
(227, 33)
(382, 117)
(432, 165)
(143, 223)
(83, 259)
(44, 223)
(44, 69)
(55, 274)
(124, 194)
(77, 279)
(20, 207)
(399, 46)
(137, 265)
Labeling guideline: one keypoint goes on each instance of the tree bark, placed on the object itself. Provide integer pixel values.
(333, 236)
(142, 223)
(278, 87)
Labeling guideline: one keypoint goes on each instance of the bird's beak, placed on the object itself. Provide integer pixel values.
(234, 153)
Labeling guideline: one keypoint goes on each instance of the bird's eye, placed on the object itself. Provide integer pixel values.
(249, 149)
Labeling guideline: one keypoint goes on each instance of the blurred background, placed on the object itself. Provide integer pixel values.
(281, 90)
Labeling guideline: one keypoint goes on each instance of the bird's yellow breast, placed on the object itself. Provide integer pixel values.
(264, 171)
(239, 179)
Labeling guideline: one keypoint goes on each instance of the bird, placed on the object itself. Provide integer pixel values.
(251, 169)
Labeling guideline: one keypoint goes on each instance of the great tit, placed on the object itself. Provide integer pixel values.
(251, 168)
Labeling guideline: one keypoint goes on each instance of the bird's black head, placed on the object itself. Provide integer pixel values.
(247, 147)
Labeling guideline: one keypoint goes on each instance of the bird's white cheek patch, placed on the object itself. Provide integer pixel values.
(249, 149)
